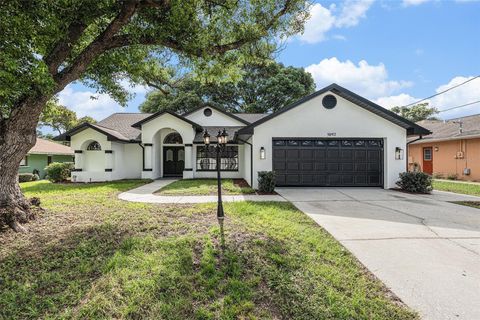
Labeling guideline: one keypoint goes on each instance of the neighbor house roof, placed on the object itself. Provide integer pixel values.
(412, 128)
(43, 146)
(453, 129)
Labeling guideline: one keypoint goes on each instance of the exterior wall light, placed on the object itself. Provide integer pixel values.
(262, 153)
(436, 149)
(398, 153)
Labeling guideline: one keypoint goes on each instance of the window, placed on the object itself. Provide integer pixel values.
(207, 159)
(427, 154)
(24, 162)
(173, 138)
(207, 112)
(94, 146)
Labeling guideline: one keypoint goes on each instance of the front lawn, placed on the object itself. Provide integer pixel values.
(203, 187)
(457, 187)
(92, 256)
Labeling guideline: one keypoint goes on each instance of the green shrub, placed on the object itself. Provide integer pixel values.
(266, 181)
(416, 182)
(25, 177)
(58, 172)
(452, 176)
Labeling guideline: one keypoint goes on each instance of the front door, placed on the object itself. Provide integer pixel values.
(173, 161)
(428, 160)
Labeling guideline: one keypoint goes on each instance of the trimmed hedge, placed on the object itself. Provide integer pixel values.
(266, 181)
(59, 172)
(25, 177)
(415, 182)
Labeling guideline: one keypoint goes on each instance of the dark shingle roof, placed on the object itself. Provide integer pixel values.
(251, 117)
(122, 124)
(213, 131)
(450, 129)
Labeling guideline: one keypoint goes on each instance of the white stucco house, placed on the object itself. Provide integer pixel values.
(332, 137)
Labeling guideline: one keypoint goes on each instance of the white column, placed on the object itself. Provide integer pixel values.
(108, 160)
(188, 171)
(148, 156)
(78, 160)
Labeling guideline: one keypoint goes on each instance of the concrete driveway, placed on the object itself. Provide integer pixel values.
(425, 249)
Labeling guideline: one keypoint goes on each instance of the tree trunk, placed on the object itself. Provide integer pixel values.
(17, 137)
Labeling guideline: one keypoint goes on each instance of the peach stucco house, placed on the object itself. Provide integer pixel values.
(453, 148)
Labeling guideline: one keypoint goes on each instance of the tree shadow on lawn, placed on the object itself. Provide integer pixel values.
(46, 187)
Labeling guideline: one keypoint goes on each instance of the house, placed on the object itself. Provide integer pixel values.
(452, 150)
(332, 137)
(42, 154)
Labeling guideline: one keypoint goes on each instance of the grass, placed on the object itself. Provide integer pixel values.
(203, 187)
(457, 187)
(92, 256)
(473, 204)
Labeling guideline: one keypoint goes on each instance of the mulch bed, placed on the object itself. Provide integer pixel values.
(243, 184)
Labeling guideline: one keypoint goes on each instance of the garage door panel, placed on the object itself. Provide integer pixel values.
(328, 162)
(292, 154)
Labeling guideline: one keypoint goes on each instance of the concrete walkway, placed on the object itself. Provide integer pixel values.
(424, 248)
(145, 194)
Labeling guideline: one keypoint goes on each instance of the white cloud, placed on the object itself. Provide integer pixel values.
(82, 103)
(466, 93)
(397, 100)
(462, 95)
(367, 80)
(408, 3)
(320, 21)
(323, 19)
(352, 12)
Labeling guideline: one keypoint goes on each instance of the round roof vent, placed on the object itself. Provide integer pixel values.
(329, 101)
(207, 112)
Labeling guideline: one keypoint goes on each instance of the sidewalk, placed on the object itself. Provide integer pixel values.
(145, 194)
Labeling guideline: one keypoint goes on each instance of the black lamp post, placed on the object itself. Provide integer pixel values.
(222, 139)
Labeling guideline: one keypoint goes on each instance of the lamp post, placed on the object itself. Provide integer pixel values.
(222, 139)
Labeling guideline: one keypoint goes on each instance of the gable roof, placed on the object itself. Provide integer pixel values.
(251, 117)
(211, 106)
(111, 134)
(43, 146)
(160, 113)
(450, 129)
(412, 128)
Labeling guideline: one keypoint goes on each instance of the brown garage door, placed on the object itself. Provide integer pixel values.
(328, 162)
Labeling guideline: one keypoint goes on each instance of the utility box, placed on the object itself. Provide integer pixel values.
(466, 171)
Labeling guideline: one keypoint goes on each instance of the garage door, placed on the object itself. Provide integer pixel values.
(328, 162)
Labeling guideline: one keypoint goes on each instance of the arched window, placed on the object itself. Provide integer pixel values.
(94, 146)
(173, 138)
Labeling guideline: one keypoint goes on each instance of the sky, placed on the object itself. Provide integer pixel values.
(391, 52)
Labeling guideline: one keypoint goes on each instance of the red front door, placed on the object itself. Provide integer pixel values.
(428, 160)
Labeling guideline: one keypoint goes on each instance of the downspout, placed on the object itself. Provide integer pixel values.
(408, 151)
(251, 158)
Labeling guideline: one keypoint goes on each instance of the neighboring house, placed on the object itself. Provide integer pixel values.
(332, 137)
(42, 154)
(453, 149)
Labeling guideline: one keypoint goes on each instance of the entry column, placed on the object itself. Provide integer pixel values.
(188, 171)
(147, 161)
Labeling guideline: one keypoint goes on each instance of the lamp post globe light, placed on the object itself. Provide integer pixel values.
(222, 140)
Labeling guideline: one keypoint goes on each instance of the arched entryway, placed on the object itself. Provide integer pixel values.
(173, 155)
(169, 153)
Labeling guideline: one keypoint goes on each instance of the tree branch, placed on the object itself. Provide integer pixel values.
(63, 48)
(98, 46)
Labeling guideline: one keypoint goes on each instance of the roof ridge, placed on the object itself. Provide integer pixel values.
(472, 115)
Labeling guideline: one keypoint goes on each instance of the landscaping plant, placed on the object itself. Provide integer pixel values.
(59, 171)
(416, 182)
(266, 181)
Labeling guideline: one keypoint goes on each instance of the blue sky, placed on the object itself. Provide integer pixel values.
(392, 52)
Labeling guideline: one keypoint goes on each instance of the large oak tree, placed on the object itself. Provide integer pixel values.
(264, 87)
(47, 44)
